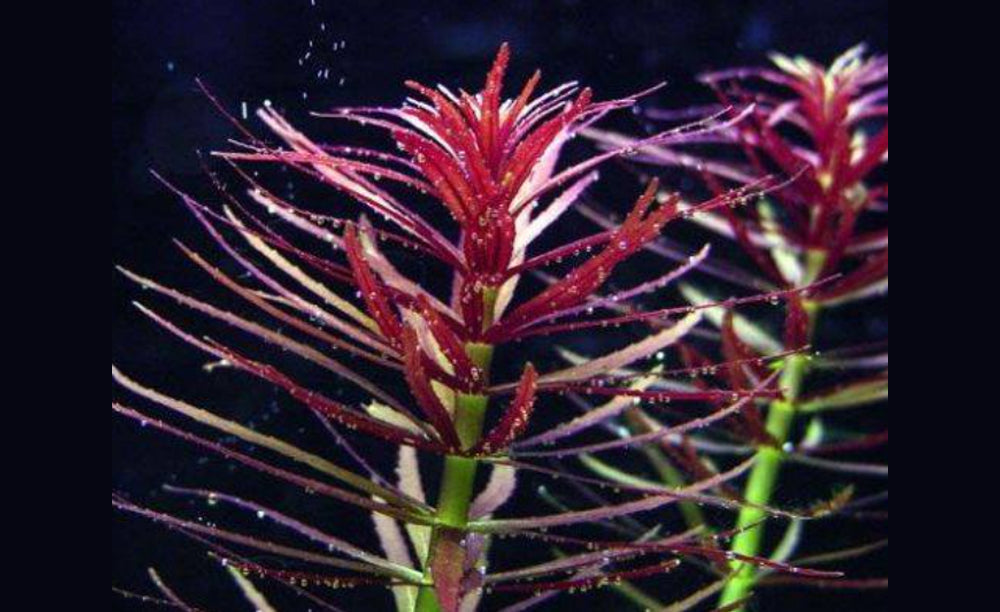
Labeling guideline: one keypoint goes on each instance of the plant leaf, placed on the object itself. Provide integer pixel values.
(584, 584)
(420, 385)
(499, 489)
(307, 484)
(250, 592)
(515, 419)
(394, 546)
(592, 417)
(751, 333)
(248, 435)
(555, 210)
(190, 528)
(372, 290)
(392, 417)
(742, 403)
(408, 472)
(851, 396)
(646, 504)
(293, 271)
(697, 597)
(626, 356)
(167, 592)
(331, 543)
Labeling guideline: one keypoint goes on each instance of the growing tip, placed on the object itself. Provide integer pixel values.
(503, 53)
(144, 309)
(499, 68)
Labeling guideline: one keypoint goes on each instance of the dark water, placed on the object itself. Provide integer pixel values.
(306, 56)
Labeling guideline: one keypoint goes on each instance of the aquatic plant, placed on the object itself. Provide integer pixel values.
(828, 127)
(335, 296)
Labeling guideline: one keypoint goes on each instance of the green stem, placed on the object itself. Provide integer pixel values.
(764, 478)
(427, 600)
(459, 476)
(460, 472)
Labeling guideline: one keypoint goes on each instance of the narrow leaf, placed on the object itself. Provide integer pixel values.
(851, 396)
(410, 482)
(646, 504)
(248, 435)
(751, 333)
(591, 418)
(247, 541)
(167, 592)
(331, 543)
(372, 291)
(394, 546)
(499, 489)
(627, 356)
(293, 271)
(420, 385)
(250, 592)
(515, 420)
(696, 598)
(555, 210)
(575, 585)
(733, 409)
(306, 484)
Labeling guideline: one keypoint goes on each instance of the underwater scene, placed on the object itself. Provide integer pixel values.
(506, 306)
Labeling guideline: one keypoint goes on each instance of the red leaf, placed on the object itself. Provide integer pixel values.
(740, 357)
(833, 585)
(796, 324)
(325, 406)
(311, 579)
(738, 354)
(591, 582)
(870, 272)
(451, 345)
(372, 292)
(863, 443)
(420, 386)
(637, 230)
(515, 420)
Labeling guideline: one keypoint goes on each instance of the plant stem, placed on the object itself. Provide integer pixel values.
(764, 477)
(427, 600)
(459, 476)
(460, 472)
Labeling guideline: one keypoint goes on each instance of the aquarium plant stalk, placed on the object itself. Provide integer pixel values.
(824, 234)
(458, 478)
(764, 478)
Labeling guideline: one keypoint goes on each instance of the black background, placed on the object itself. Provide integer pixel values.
(360, 52)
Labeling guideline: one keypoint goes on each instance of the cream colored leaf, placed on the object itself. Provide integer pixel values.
(627, 356)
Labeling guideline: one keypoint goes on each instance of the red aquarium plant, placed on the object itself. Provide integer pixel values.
(345, 308)
(826, 232)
